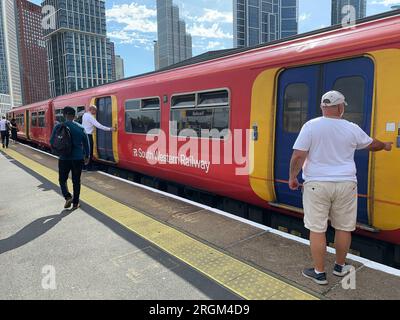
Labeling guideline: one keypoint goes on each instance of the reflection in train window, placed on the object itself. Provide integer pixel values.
(202, 114)
(34, 119)
(142, 115)
(41, 119)
(295, 107)
(59, 116)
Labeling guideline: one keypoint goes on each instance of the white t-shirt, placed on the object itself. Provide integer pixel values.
(331, 144)
(89, 122)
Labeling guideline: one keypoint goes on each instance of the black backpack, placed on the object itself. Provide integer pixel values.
(62, 143)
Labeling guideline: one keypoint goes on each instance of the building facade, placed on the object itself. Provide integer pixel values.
(10, 73)
(339, 12)
(32, 52)
(79, 52)
(261, 21)
(174, 43)
(119, 68)
(112, 50)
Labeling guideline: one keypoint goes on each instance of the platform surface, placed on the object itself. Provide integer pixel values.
(127, 242)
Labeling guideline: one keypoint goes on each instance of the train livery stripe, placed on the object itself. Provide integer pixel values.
(237, 276)
(115, 125)
(385, 171)
(263, 102)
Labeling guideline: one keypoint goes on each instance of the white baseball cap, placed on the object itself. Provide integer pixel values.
(333, 98)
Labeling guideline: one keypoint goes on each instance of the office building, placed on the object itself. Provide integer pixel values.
(10, 73)
(261, 21)
(79, 52)
(119, 68)
(174, 43)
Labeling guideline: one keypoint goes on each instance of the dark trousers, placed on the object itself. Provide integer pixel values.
(64, 167)
(5, 138)
(89, 166)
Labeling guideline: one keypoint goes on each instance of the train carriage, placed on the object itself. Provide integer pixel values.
(265, 94)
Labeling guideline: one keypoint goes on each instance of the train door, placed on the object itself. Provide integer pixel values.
(105, 143)
(355, 79)
(299, 94)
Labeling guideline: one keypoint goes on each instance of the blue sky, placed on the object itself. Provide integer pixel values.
(132, 25)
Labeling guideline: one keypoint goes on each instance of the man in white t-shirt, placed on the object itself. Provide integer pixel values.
(89, 122)
(5, 131)
(325, 151)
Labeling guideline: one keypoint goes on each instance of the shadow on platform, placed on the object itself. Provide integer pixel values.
(32, 231)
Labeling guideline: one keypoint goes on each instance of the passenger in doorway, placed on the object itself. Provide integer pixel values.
(5, 128)
(74, 162)
(89, 122)
(325, 150)
(14, 130)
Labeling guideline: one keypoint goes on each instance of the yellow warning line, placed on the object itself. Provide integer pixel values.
(241, 278)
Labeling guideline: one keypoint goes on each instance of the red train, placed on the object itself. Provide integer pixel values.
(265, 94)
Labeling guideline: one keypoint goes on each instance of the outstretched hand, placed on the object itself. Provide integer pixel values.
(388, 146)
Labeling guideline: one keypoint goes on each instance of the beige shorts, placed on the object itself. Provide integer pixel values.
(336, 201)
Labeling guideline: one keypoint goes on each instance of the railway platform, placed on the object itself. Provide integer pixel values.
(129, 241)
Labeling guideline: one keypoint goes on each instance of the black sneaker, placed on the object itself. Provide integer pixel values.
(341, 271)
(319, 278)
(75, 206)
(68, 203)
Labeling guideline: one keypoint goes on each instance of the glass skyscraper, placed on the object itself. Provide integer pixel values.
(79, 52)
(360, 7)
(10, 78)
(174, 43)
(260, 21)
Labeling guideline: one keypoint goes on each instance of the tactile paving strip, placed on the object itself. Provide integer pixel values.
(241, 278)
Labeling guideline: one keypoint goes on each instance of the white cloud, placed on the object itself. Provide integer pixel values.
(135, 17)
(215, 16)
(214, 31)
(386, 3)
(214, 45)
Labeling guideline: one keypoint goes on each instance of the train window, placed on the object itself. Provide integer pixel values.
(153, 103)
(186, 100)
(207, 118)
(295, 107)
(214, 98)
(132, 105)
(79, 109)
(200, 122)
(142, 115)
(34, 119)
(41, 119)
(353, 89)
(59, 116)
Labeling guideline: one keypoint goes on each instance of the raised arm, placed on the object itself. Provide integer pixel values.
(98, 125)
